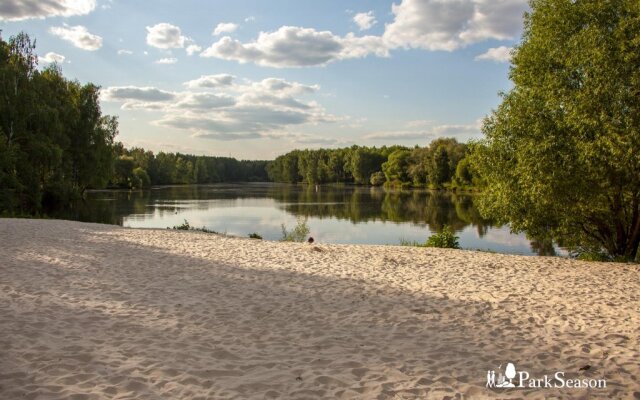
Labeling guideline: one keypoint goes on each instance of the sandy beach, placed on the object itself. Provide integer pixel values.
(92, 311)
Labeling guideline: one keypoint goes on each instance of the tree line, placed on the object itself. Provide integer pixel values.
(444, 163)
(137, 168)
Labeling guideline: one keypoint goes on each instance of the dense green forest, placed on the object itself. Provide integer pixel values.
(136, 168)
(442, 164)
(54, 140)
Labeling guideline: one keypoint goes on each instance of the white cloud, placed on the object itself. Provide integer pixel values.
(449, 25)
(443, 25)
(204, 101)
(170, 60)
(365, 20)
(165, 36)
(292, 46)
(278, 86)
(193, 49)
(456, 129)
(250, 18)
(151, 94)
(78, 35)
(500, 54)
(124, 52)
(51, 57)
(287, 47)
(210, 81)
(238, 111)
(17, 10)
(225, 27)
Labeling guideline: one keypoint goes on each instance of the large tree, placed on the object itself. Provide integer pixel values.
(54, 140)
(561, 154)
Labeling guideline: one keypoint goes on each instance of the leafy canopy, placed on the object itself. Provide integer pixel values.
(561, 154)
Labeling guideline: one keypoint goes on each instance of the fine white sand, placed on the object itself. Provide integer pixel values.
(93, 311)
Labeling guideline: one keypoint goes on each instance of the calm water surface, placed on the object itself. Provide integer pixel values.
(335, 214)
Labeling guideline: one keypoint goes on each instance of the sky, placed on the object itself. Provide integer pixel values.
(253, 79)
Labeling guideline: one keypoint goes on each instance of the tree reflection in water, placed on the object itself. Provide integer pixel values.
(357, 204)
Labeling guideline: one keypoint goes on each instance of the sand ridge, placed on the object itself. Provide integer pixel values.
(92, 311)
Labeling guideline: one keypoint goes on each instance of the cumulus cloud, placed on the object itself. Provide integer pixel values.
(165, 36)
(235, 111)
(151, 94)
(365, 20)
(289, 46)
(444, 25)
(225, 27)
(17, 10)
(78, 35)
(292, 46)
(169, 60)
(193, 49)
(457, 129)
(279, 86)
(500, 54)
(449, 25)
(204, 101)
(210, 81)
(52, 57)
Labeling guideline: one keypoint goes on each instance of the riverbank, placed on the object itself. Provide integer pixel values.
(102, 311)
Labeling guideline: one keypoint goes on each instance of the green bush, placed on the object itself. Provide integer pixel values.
(141, 178)
(298, 234)
(377, 179)
(444, 239)
(591, 254)
(254, 236)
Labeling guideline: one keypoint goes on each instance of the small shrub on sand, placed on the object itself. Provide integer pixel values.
(298, 234)
(254, 236)
(445, 239)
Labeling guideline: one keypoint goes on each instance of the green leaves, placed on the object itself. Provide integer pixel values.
(56, 141)
(561, 154)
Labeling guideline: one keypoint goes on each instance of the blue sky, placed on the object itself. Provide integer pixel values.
(254, 79)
